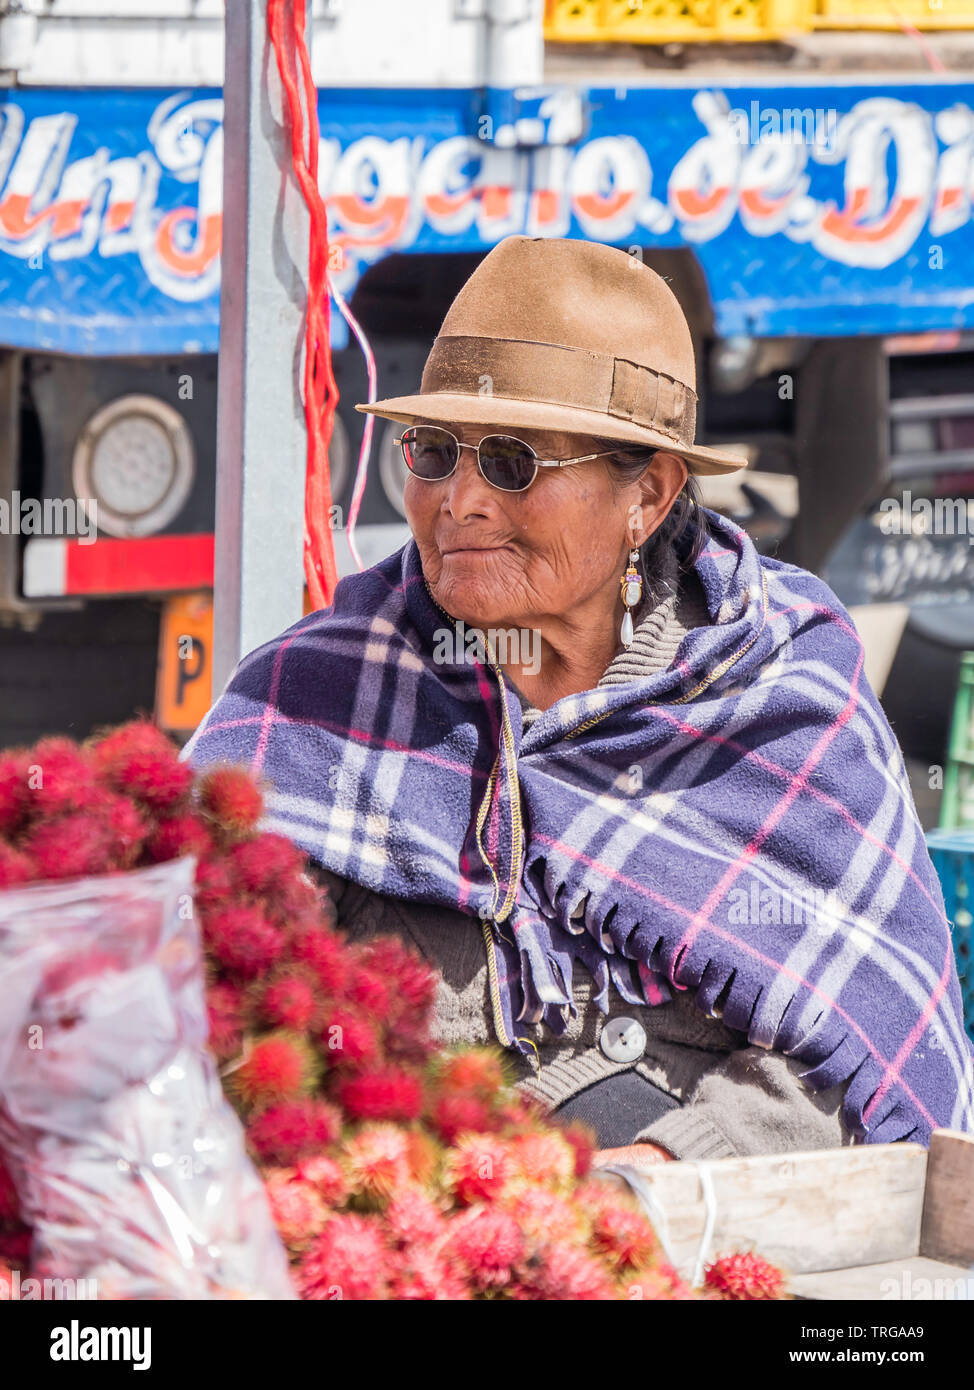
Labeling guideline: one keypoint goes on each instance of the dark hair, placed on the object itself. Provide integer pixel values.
(683, 529)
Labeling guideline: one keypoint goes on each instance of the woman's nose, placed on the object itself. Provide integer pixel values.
(467, 493)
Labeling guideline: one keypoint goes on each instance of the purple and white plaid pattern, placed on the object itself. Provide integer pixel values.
(739, 824)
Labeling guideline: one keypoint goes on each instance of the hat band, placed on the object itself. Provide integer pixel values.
(549, 374)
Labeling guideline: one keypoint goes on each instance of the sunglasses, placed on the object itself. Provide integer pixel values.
(432, 454)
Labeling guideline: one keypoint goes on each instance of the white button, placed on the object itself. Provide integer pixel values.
(623, 1039)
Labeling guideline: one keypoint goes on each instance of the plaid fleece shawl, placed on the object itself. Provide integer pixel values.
(739, 824)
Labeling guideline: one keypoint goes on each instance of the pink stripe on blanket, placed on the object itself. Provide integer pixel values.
(797, 784)
(892, 1071)
(752, 755)
(361, 735)
(270, 708)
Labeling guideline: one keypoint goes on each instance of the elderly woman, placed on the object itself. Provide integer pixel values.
(618, 776)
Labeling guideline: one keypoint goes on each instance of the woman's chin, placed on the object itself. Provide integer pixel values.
(477, 603)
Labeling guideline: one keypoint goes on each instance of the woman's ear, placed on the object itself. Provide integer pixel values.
(659, 487)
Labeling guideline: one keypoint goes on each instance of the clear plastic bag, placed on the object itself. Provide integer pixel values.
(129, 1162)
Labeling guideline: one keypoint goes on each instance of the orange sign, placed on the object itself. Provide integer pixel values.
(184, 675)
(184, 672)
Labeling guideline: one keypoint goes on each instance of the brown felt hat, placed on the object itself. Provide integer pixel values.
(570, 336)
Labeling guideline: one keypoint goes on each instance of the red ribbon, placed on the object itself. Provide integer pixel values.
(286, 24)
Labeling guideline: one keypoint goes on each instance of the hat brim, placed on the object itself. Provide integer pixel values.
(444, 408)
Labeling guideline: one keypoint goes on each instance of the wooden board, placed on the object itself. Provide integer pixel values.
(947, 1232)
(914, 1280)
(805, 1212)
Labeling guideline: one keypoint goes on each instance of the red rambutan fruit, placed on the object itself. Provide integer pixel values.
(520, 1112)
(414, 982)
(658, 1283)
(14, 792)
(476, 1071)
(412, 1218)
(214, 885)
(139, 760)
(265, 864)
(292, 1130)
(424, 1155)
(137, 736)
(125, 824)
(623, 1236)
(479, 1168)
(288, 1001)
(106, 837)
(543, 1156)
(14, 867)
(243, 941)
(72, 846)
(744, 1276)
(543, 1216)
(15, 1247)
(387, 1093)
(326, 1176)
(348, 1040)
(451, 1115)
(486, 1245)
(568, 1272)
(295, 900)
(420, 1274)
(225, 1012)
(177, 835)
(412, 1047)
(473, 1072)
(61, 779)
(324, 952)
(584, 1143)
(376, 1160)
(369, 992)
(348, 1260)
(297, 1207)
(9, 1203)
(232, 797)
(278, 1067)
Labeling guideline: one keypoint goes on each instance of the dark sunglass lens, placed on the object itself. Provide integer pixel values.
(507, 462)
(430, 452)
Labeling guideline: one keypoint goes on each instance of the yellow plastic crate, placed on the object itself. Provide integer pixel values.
(675, 21)
(892, 14)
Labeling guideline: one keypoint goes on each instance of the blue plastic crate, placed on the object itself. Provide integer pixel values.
(952, 852)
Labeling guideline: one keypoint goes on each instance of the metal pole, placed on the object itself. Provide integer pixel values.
(261, 439)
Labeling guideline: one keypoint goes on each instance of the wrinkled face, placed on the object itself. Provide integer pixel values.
(519, 558)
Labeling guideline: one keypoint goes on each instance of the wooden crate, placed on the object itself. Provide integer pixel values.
(885, 1221)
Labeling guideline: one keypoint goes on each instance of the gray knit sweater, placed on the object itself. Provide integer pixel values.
(735, 1098)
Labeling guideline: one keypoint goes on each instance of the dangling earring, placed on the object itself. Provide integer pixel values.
(632, 592)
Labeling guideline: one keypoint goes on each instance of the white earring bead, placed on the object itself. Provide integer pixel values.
(632, 592)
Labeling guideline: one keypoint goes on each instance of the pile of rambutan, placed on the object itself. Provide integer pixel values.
(393, 1169)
